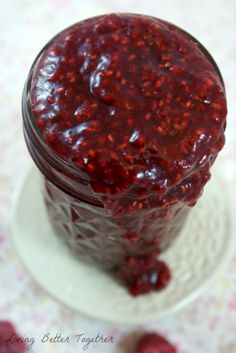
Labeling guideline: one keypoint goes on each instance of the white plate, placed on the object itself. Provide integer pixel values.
(195, 258)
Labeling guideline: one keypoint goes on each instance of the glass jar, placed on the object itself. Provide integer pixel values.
(103, 235)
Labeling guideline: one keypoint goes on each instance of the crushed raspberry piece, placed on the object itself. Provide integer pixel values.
(144, 274)
(10, 341)
(154, 343)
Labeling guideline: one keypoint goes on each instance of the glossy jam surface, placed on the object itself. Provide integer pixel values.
(135, 104)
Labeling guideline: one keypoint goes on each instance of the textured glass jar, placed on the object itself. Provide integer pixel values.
(93, 231)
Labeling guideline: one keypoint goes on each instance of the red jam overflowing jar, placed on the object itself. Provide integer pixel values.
(124, 115)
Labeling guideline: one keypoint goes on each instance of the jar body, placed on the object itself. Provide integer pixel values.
(97, 236)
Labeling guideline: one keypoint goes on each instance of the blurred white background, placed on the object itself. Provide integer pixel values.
(207, 325)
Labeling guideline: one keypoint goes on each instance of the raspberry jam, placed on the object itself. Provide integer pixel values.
(124, 115)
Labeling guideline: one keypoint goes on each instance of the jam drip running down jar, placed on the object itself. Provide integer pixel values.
(124, 116)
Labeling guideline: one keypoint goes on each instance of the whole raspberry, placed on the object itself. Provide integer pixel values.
(154, 343)
(10, 341)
